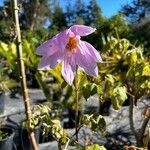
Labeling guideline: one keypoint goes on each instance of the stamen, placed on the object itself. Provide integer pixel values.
(72, 44)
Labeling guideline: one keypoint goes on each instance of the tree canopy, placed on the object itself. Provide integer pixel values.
(41, 19)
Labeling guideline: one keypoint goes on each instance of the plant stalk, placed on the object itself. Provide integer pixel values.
(77, 104)
(139, 134)
(131, 112)
(22, 73)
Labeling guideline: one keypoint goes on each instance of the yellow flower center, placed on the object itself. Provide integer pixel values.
(72, 44)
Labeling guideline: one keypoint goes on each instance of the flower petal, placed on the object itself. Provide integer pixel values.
(48, 48)
(82, 30)
(69, 69)
(49, 62)
(87, 63)
(57, 43)
(88, 48)
(62, 38)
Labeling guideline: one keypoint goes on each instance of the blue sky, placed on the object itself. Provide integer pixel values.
(109, 7)
(1, 2)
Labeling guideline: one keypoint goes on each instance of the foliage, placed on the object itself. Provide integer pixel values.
(81, 13)
(125, 71)
(94, 147)
(3, 135)
(6, 32)
(31, 62)
(43, 116)
(76, 12)
(118, 96)
(35, 13)
(5, 82)
(137, 12)
(125, 67)
(125, 75)
(40, 79)
(58, 14)
(87, 87)
(116, 22)
(94, 122)
(8, 52)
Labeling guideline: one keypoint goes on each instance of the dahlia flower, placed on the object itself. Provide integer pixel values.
(68, 48)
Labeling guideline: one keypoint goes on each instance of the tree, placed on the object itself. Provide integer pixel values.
(82, 13)
(138, 15)
(58, 18)
(94, 13)
(6, 31)
(35, 13)
(137, 10)
(110, 28)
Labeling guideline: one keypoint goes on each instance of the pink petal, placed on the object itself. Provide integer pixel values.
(62, 38)
(57, 43)
(48, 48)
(87, 63)
(88, 48)
(49, 62)
(69, 69)
(82, 30)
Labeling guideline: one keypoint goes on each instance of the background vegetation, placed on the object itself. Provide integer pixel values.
(123, 40)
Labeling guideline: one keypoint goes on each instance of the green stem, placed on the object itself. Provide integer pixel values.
(77, 104)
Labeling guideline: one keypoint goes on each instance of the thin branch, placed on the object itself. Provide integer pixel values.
(67, 144)
(131, 120)
(73, 136)
(77, 104)
(144, 125)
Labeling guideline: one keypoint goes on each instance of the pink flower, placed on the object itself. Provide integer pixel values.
(68, 48)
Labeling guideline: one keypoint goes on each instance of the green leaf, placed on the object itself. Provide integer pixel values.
(146, 70)
(85, 119)
(125, 44)
(94, 147)
(109, 46)
(5, 85)
(56, 73)
(118, 96)
(145, 85)
(82, 79)
(56, 121)
(98, 124)
(101, 124)
(99, 90)
(43, 86)
(110, 79)
(88, 90)
(131, 56)
(63, 140)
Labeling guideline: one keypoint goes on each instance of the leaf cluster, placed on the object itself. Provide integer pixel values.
(94, 122)
(3, 135)
(43, 117)
(124, 71)
(94, 147)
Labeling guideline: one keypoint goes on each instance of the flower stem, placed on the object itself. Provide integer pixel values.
(77, 104)
(22, 73)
